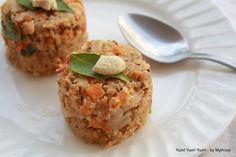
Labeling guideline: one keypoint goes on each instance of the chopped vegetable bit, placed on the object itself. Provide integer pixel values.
(10, 29)
(122, 96)
(67, 60)
(20, 46)
(28, 51)
(95, 91)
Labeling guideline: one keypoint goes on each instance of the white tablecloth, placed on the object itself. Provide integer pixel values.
(228, 139)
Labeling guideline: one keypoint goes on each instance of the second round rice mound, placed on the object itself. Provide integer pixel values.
(46, 37)
(107, 111)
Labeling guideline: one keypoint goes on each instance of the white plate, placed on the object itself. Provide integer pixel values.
(193, 102)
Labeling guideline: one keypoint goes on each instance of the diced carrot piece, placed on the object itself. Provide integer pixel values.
(114, 102)
(137, 75)
(27, 19)
(116, 106)
(67, 60)
(20, 46)
(105, 127)
(86, 110)
(42, 15)
(122, 97)
(94, 123)
(22, 19)
(95, 91)
(118, 50)
(101, 125)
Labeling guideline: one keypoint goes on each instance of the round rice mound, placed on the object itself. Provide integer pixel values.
(52, 35)
(107, 111)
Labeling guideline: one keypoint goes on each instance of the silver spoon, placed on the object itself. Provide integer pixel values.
(161, 42)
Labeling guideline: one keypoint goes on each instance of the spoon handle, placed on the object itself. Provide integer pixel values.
(218, 59)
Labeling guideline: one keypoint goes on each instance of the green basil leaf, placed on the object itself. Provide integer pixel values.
(62, 6)
(10, 29)
(84, 63)
(26, 3)
(122, 76)
(28, 51)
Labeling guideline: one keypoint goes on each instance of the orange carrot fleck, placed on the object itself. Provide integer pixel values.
(86, 110)
(137, 75)
(67, 60)
(116, 106)
(94, 123)
(95, 91)
(104, 126)
(27, 19)
(118, 50)
(122, 97)
(20, 46)
(42, 15)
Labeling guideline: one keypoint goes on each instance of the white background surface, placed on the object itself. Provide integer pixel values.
(228, 139)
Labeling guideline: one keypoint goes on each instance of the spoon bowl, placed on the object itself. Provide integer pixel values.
(162, 42)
